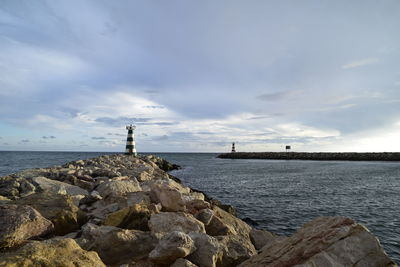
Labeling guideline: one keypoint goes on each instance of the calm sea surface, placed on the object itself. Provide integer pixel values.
(279, 195)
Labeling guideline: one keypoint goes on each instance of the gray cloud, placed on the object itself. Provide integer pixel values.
(49, 137)
(121, 120)
(98, 138)
(25, 141)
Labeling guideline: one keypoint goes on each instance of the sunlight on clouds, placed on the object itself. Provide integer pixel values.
(359, 63)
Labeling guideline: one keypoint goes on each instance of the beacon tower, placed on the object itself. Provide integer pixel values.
(130, 141)
(233, 148)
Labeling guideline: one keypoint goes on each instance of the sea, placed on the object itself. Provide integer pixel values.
(277, 195)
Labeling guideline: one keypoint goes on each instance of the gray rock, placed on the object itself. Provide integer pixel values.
(58, 187)
(118, 188)
(172, 246)
(165, 222)
(117, 246)
(208, 252)
(19, 223)
(260, 238)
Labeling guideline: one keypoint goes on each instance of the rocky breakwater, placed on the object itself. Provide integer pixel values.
(128, 211)
(350, 156)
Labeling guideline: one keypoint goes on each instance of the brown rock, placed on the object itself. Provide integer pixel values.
(115, 245)
(134, 217)
(325, 241)
(54, 252)
(60, 209)
(208, 251)
(165, 222)
(183, 263)
(19, 223)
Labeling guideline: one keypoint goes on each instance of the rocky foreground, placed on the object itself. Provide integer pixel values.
(350, 156)
(127, 211)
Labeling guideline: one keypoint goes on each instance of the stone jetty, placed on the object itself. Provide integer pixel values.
(120, 210)
(350, 156)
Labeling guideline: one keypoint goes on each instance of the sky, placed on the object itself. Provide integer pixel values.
(194, 76)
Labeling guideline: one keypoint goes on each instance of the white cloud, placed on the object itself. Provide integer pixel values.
(361, 62)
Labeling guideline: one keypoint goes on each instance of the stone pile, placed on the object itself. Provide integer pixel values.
(120, 210)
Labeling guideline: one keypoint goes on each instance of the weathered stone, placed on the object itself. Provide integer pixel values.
(205, 216)
(260, 238)
(165, 222)
(170, 199)
(208, 251)
(19, 223)
(224, 223)
(235, 249)
(53, 252)
(325, 241)
(115, 245)
(58, 187)
(15, 187)
(193, 206)
(118, 188)
(172, 246)
(60, 209)
(183, 263)
(134, 217)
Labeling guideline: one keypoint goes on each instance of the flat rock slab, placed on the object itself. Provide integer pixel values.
(19, 223)
(59, 187)
(325, 241)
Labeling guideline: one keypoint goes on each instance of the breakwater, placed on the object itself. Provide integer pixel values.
(351, 156)
(93, 212)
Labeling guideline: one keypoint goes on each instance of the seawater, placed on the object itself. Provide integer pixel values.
(280, 196)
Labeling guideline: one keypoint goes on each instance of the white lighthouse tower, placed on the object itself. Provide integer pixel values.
(130, 141)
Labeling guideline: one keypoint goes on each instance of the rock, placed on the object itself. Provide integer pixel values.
(172, 246)
(19, 223)
(205, 216)
(208, 252)
(15, 187)
(235, 249)
(58, 187)
(118, 188)
(193, 206)
(117, 246)
(224, 223)
(170, 199)
(183, 263)
(53, 252)
(60, 209)
(260, 238)
(134, 217)
(325, 241)
(165, 222)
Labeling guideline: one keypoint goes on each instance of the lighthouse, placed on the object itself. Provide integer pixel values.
(233, 148)
(130, 141)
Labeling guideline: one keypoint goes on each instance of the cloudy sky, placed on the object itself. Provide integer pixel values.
(196, 75)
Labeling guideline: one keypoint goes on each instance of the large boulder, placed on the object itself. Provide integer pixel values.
(224, 223)
(325, 241)
(260, 238)
(58, 187)
(172, 246)
(117, 188)
(165, 222)
(235, 249)
(60, 209)
(19, 223)
(117, 246)
(53, 252)
(133, 217)
(208, 251)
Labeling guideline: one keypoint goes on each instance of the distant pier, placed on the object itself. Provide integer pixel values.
(350, 156)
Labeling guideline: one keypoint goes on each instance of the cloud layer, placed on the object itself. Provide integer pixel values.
(195, 76)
